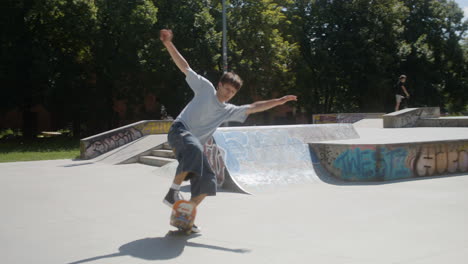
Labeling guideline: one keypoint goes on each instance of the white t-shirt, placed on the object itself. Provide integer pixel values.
(205, 113)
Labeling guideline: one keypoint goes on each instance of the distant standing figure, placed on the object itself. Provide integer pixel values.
(400, 89)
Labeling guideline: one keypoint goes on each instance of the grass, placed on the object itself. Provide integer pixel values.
(19, 149)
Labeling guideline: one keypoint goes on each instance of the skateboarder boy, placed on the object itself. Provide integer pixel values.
(199, 120)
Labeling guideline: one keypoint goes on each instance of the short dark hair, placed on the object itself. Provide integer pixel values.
(232, 79)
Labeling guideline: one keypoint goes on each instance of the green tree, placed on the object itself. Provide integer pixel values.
(261, 47)
(434, 62)
(122, 51)
(18, 61)
(64, 34)
(197, 35)
(349, 53)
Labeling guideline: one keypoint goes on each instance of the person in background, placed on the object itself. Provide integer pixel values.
(400, 91)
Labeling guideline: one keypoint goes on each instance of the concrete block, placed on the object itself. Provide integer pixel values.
(409, 117)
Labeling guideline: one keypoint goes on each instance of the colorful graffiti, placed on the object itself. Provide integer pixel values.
(441, 159)
(366, 164)
(151, 128)
(392, 162)
(215, 157)
(97, 145)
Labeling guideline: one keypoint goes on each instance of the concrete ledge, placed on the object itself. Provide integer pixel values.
(409, 117)
(461, 121)
(384, 162)
(344, 117)
(94, 146)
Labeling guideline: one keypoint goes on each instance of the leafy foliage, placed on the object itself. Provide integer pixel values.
(80, 58)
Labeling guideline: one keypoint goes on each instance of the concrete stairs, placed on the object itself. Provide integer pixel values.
(159, 157)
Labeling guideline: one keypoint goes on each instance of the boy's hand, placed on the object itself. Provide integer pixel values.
(288, 98)
(166, 35)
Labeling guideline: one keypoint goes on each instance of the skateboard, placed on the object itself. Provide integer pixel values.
(183, 216)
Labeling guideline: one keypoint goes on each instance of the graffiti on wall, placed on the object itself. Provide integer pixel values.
(391, 162)
(97, 145)
(441, 159)
(151, 128)
(367, 164)
(409, 119)
(110, 142)
(215, 155)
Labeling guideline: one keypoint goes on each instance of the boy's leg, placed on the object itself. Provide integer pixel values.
(196, 202)
(173, 195)
(175, 138)
(179, 178)
(198, 199)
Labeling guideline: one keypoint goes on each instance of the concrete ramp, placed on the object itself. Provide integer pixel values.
(130, 152)
(258, 157)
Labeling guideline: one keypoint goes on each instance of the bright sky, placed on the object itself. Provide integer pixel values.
(464, 5)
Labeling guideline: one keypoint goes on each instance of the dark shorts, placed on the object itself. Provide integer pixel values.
(191, 158)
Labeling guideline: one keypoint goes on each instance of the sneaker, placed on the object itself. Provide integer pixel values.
(171, 197)
(196, 229)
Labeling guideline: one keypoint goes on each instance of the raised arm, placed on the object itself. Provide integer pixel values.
(166, 35)
(261, 106)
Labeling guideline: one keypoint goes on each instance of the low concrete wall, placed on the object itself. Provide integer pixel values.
(343, 117)
(383, 162)
(94, 146)
(409, 117)
(461, 121)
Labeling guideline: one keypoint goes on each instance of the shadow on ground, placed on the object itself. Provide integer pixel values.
(159, 248)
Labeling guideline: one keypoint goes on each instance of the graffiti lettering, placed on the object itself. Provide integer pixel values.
(395, 162)
(368, 165)
(94, 146)
(356, 163)
(156, 128)
(120, 138)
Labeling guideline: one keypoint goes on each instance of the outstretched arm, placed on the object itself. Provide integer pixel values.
(166, 35)
(261, 106)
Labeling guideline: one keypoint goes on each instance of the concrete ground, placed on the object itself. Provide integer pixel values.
(83, 212)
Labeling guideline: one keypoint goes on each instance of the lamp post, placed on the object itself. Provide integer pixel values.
(225, 65)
